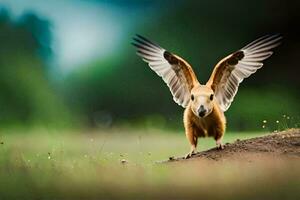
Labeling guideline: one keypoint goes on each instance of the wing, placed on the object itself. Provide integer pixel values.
(230, 71)
(176, 72)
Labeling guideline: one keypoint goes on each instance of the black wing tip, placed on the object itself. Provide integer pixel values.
(266, 38)
(136, 39)
(134, 44)
(137, 43)
(144, 47)
(138, 35)
(274, 36)
(277, 35)
(141, 39)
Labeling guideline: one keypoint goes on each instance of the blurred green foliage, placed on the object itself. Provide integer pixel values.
(121, 89)
(27, 97)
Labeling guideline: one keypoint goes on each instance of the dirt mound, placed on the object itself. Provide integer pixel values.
(282, 144)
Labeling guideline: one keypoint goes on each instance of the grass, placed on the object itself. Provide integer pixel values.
(52, 165)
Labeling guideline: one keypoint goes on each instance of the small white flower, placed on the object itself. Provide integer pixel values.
(264, 121)
(277, 121)
(263, 126)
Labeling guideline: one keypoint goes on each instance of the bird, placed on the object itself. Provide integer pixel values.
(205, 104)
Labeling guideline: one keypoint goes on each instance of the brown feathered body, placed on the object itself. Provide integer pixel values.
(213, 125)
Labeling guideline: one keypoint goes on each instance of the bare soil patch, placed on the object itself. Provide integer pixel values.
(285, 144)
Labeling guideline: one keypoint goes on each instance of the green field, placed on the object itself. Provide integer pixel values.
(44, 164)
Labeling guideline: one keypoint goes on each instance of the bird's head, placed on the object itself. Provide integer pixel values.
(202, 100)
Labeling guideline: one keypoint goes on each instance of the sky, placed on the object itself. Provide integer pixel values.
(82, 30)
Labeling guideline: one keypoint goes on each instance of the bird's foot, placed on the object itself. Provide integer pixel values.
(190, 154)
(220, 146)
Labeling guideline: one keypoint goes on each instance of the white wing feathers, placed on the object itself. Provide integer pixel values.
(170, 67)
(233, 69)
(226, 76)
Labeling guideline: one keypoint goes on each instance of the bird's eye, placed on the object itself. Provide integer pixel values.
(192, 97)
(211, 97)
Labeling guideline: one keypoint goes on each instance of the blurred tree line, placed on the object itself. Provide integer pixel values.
(26, 94)
(121, 89)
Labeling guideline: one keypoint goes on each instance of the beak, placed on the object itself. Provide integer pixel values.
(201, 111)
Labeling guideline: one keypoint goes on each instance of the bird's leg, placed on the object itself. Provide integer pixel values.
(192, 152)
(219, 143)
(193, 141)
(219, 133)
